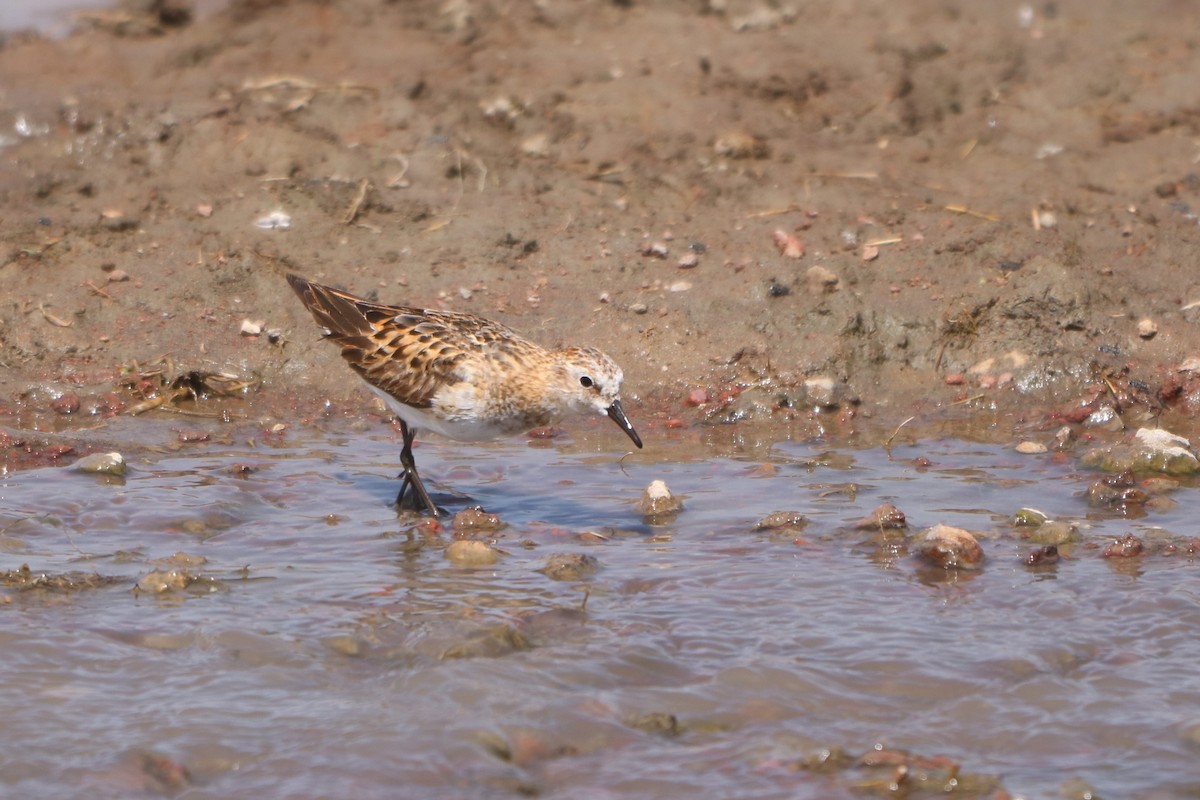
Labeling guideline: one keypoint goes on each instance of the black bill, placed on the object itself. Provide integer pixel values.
(617, 415)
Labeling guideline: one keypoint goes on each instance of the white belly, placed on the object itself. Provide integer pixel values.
(466, 425)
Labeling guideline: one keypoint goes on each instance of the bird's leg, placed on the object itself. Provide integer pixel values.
(411, 478)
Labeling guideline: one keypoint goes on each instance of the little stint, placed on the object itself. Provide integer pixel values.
(460, 375)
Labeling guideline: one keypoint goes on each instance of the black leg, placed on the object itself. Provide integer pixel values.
(411, 479)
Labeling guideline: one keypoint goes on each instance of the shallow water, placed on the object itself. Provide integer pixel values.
(333, 651)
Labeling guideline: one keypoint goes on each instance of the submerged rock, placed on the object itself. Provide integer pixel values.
(160, 581)
(1152, 449)
(779, 520)
(1042, 556)
(489, 642)
(1128, 546)
(950, 548)
(1055, 532)
(659, 723)
(570, 566)
(101, 464)
(471, 553)
(884, 517)
(1116, 491)
(1037, 527)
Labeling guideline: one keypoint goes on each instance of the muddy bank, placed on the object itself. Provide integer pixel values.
(870, 208)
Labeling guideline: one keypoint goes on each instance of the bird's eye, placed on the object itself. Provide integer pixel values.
(585, 382)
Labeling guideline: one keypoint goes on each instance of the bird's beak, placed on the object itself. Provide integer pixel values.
(617, 415)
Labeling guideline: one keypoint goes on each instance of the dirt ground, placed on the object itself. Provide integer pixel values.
(757, 209)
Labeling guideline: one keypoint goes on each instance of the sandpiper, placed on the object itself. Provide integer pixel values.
(460, 375)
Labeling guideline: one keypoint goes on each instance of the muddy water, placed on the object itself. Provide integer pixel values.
(329, 649)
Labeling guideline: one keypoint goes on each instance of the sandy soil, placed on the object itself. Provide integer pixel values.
(871, 206)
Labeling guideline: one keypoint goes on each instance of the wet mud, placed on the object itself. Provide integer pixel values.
(888, 209)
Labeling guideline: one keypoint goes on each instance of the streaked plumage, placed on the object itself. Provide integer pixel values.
(460, 375)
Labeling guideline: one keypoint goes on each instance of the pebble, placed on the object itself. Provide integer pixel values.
(688, 260)
(738, 144)
(1031, 448)
(101, 464)
(777, 520)
(1042, 556)
(66, 403)
(471, 553)
(1153, 449)
(1030, 518)
(475, 519)
(161, 581)
(537, 146)
(1128, 546)
(639, 308)
(822, 391)
(789, 245)
(950, 548)
(657, 500)
(1147, 328)
(822, 279)
(884, 517)
(697, 397)
(570, 566)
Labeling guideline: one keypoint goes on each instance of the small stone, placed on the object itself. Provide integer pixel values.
(655, 250)
(251, 327)
(688, 260)
(822, 391)
(658, 723)
(65, 404)
(950, 548)
(1030, 518)
(275, 221)
(1147, 328)
(884, 517)
(536, 146)
(1054, 532)
(1128, 546)
(781, 520)
(870, 252)
(471, 553)
(114, 220)
(158, 581)
(1042, 556)
(101, 464)
(738, 144)
(657, 500)
(789, 245)
(1031, 448)
(697, 397)
(821, 279)
(570, 566)
(639, 308)
(475, 519)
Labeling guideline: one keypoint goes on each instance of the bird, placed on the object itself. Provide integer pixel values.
(459, 375)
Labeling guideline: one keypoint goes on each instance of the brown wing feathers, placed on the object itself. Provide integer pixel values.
(408, 367)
